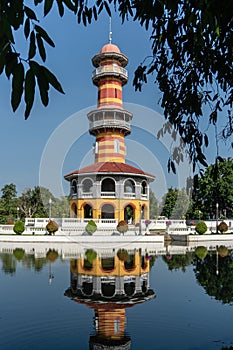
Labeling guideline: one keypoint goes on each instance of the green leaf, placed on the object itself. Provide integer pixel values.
(36, 68)
(95, 13)
(84, 17)
(27, 28)
(30, 13)
(11, 61)
(60, 7)
(29, 92)
(2, 63)
(107, 8)
(5, 28)
(47, 6)
(41, 48)
(42, 83)
(17, 86)
(44, 35)
(52, 80)
(173, 167)
(32, 46)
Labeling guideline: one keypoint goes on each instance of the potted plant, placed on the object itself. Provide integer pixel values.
(122, 226)
(19, 227)
(201, 228)
(91, 227)
(52, 227)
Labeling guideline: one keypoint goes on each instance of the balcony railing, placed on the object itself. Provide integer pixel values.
(109, 123)
(129, 195)
(113, 69)
(108, 194)
(87, 194)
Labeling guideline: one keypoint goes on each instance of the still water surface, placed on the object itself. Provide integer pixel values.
(106, 301)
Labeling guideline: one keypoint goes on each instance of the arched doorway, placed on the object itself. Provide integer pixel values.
(88, 212)
(74, 210)
(129, 214)
(107, 211)
(143, 212)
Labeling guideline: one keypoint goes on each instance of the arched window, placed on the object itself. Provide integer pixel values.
(74, 187)
(116, 146)
(96, 147)
(108, 187)
(87, 185)
(144, 188)
(107, 289)
(129, 186)
(107, 264)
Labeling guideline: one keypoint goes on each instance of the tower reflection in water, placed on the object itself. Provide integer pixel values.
(109, 283)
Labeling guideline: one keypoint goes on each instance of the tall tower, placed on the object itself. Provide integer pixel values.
(109, 123)
(110, 188)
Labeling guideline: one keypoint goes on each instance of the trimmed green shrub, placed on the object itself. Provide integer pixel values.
(90, 255)
(91, 227)
(222, 227)
(201, 228)
(19, 227)
(52, 227)
(52, 255)
(201, 252)
(122, 226)
(122, 255)
(222, 251)
(18, 253)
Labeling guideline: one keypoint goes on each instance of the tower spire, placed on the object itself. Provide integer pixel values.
(110, 30)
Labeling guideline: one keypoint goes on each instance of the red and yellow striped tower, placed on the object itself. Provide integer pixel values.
(110, 188)
(109, 123)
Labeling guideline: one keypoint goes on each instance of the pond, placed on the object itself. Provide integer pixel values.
(116, 299)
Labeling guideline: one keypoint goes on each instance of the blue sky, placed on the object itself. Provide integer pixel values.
(23, 142)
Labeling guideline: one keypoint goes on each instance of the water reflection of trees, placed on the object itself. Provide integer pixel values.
(179, 261)
(215, 274)
(28, 261)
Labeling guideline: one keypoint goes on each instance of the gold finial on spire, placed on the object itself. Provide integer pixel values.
(110, 30)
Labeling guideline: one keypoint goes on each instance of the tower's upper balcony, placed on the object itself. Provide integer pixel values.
(108, 118)
(110, 70)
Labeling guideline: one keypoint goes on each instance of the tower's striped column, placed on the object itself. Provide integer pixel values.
(110, 88)
(110, 147)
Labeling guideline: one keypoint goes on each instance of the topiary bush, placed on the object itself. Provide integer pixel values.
(201, 228)
(18, 253)
(201, 252)
(90, 255)
(91, 227)
(122, 226)
(19, 227)
(52, 255)
(222, 251)
(222, 227)
(122, 255)
(52, 227)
